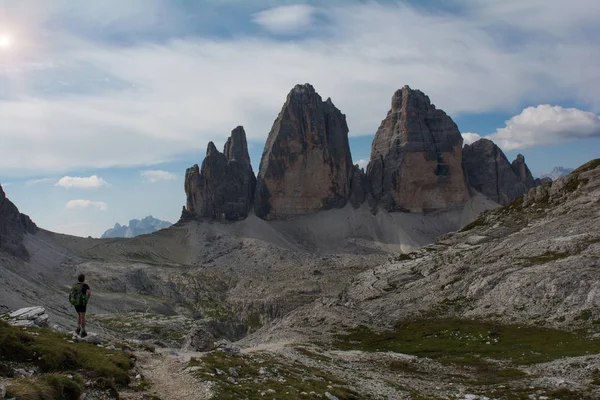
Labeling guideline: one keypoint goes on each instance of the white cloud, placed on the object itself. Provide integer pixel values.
(115, 113)
(286, 19)
(469, 138)
(92, 182)
(158, 175)
(7, 184)
(546, 125)
(362, 163)
(85, 204)
(42, 181)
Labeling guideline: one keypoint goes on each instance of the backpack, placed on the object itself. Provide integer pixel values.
(77, 297)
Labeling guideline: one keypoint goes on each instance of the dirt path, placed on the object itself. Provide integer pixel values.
(165, 371)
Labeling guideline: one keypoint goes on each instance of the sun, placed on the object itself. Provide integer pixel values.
(5, 42)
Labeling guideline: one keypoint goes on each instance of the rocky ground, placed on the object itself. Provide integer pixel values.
(506, 308)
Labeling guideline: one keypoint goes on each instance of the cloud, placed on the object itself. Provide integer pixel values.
(150, 102)
(7, 184)
(92, 182)
(546, 125)
(362, 163)
(469, 138)
(85, 204)
(158, 175)
(286, 19)
(42, 181)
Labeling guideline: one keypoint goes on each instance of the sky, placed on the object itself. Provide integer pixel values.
(105, 103)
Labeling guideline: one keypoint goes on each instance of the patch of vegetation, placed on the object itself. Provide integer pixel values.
(584, 315)
(469, 342)
(403, 257)
(588, 166)
(46, 387)
(574, 182)
(547, 257)
(53, 352)
(478, 222)
(312, 354)
(254, 376)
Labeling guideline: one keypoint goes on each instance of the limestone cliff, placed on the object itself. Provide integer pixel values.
(306, 165)
(13, 226)
(416, 157)
(223, 189)
(489, 172)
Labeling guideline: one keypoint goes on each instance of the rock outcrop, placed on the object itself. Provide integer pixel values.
(30, 316)
(13, 226)
(223, 189)
(198, 340)
(489, 172)
(306, 165)
(416, 157)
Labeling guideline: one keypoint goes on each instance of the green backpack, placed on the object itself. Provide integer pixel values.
(77, 297)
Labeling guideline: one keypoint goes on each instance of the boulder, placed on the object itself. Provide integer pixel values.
(30, 316)
(489, 172)
(223, 189)
(306, 165)
(13, 227)
(199, 340)
(416, 157)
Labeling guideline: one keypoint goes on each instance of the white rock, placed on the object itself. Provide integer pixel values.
(2, 392)
(330, 396)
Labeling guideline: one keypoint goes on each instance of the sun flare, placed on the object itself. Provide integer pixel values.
(5, 42)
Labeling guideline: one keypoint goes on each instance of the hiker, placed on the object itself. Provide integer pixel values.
(79, 297)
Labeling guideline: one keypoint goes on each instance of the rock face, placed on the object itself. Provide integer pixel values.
(306, 165)
(489, 172)
(13, 226)
(136, 227)
(522, 171)
(223, 189)
(416, 157)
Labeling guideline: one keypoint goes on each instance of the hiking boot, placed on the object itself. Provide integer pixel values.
(77, 330)
(83, 333)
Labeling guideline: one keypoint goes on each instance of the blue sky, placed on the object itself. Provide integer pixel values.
(105, 103)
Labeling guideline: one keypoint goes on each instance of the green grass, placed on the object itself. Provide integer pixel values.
(288, 381)
(469, 342)
(52, 352)
(548, 257)
(46, 387)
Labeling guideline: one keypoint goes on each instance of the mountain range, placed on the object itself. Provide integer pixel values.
(136, 227)
(440, 271)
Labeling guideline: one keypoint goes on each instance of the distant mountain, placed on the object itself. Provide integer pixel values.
(136, 228)
(557, 172)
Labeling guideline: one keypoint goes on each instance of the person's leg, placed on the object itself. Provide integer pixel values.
(82, 320)
(78, 322)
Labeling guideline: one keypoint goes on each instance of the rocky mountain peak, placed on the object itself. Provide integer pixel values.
(13, 226)
(406, 98)
(236, 147)
(416, 156)
(522, 171)
(223, 188)
(489, 172)
(306, 164)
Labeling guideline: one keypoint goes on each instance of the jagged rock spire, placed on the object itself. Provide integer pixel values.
(306, 165)
(416, 158)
